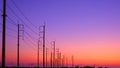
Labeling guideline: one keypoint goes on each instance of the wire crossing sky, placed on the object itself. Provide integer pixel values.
(87, 29)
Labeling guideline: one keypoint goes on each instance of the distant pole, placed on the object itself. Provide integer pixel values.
(60, 59)
(53, 53)
(57, 57)
(63, 60)
(18, 47)
(72, 61)
(42, 37)
(51, 60)
(20, 29)
(44, 46)
(46, 56)
(66, 62)
(4, 34)
(38, 54)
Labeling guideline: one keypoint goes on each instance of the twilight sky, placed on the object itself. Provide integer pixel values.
(87, 29)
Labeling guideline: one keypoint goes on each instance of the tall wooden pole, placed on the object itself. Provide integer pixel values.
(38, 54)
(43, 46)
(53, 53)
(4, 34)
(72, 61)
(51, 60)
(46, 56)
(18, 47)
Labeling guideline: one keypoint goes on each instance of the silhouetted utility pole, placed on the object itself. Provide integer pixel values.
(38, 54)
(42, 32)
(63, 60)
(53, 44)
(59, 59)
(18, 47)
(57, 50)
(44, 46)
(66, 62)
(20, 29)
(51, 60)
(4, 34)
(72, 61)
(46, 56)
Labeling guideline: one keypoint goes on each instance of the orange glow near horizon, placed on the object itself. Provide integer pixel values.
(89, 30)
(98, 54)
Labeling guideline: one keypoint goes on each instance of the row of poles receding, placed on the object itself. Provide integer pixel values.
(55, 60)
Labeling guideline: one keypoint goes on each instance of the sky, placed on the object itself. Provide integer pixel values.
(87, 29)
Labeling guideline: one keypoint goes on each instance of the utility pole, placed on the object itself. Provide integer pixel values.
(57, 50)
(4, 34)
(18, 47)
(46, 56)
(20, 29)
(63, 60)
(44, 46)
(38, 54)
(53, 44)
(66, 62)
(42, 35)
(72, 61)
(60, 59)
(51, 60)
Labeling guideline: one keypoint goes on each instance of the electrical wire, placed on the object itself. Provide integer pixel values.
(9, 28)
(21, 20)
(22, 13)
(29, 44)
(30, 40)
(12, 22)
(10, 35)
(29, 35)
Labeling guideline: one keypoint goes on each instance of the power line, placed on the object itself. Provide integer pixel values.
(30, 41)
(12, 22)
(29, 35)
(22, 13)
(28, 44)
(9, 28)
(11, 36)
(21, 19)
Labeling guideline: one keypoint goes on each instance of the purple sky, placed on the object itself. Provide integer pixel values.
(75, 25)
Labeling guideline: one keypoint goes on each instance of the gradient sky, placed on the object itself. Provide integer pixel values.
(87, 29)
